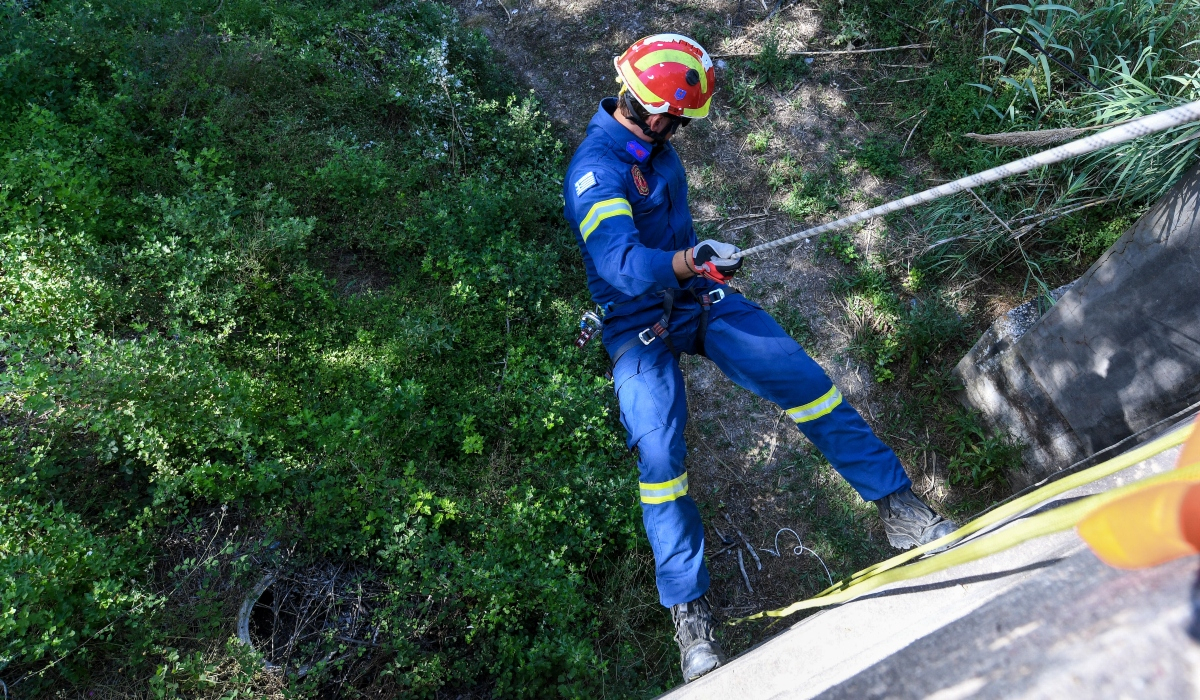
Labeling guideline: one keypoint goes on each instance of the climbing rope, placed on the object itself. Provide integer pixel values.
(1013, 533)
(1126, 131)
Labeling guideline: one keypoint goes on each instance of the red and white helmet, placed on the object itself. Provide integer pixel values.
(668, 73)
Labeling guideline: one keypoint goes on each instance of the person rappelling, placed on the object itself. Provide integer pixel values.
(664, 294)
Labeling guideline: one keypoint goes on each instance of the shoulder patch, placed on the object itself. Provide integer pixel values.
(585, 183)
(639, 180)
(638, 151)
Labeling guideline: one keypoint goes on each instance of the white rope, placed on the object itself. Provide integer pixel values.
(1121, 133)
(797, 550)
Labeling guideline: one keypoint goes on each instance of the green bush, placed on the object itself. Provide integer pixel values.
(775, 66)
(880, 155)
(310, 263)
(982, 457)
(63, 585)
(892, 327)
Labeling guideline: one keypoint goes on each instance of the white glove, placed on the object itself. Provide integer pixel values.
(714, 260)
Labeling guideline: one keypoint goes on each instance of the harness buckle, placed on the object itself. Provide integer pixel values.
(717, 294)
(656, 331)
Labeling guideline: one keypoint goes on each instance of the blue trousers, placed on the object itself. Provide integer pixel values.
(752, 350)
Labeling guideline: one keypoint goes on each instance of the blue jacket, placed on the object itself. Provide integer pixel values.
(628, 207)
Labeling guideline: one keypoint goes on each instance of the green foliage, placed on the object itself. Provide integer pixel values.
(880, 155)
(850, 29)
(775, 66)
(747, 102)
(1115, 61)
(840, 246)
(809, 192)
(64, 585)
(759, 140)
(890, 327)
(982, 457)
(1083, 238)
(307, 262)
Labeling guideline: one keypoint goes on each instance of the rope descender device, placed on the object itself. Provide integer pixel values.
(590, 325)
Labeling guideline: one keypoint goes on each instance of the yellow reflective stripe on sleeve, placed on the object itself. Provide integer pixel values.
(674, 56)
(601, 211)
(664, 491)
(815, 409)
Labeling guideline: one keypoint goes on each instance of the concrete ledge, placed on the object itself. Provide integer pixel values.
(828, 653)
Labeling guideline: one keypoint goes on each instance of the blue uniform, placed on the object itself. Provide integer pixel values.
(628, 207)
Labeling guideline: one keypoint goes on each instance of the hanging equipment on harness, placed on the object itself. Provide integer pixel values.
(590, 325)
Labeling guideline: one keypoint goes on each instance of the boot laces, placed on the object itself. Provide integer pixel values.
(693, 623)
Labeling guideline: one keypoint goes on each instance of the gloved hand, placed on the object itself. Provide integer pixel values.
(713, 259)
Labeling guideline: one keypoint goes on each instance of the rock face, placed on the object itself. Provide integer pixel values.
(1118, 352)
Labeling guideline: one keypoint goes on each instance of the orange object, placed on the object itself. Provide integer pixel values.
(1146, 528)
(1152, 526)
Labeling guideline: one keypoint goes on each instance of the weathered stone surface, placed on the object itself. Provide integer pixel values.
(997, 381)
(1119, 352)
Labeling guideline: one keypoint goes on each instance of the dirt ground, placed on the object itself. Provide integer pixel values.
(756, 474)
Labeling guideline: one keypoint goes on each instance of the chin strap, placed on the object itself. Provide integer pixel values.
(659, 138)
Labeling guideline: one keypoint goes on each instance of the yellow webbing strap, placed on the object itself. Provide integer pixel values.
(1029, 500)
(1056, 520)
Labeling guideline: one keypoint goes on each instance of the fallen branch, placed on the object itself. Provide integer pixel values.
(845, 52)
(726, 219)
(1043, 137)
(745, 576)
(911, 132)
(745, 541)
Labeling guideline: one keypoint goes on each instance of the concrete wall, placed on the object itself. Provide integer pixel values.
(1043, 619)
(1119, 352)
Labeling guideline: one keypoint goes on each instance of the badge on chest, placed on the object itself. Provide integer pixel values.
(639, 181)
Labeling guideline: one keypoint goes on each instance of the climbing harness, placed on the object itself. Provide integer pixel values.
(1121, 133)
(1015, 530)
(659, 330)
(707, 299)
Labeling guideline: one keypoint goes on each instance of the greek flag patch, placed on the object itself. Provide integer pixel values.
(585, 183)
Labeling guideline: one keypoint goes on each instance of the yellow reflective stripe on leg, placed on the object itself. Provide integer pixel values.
(664, 491)
(815, 409)
(601, 211)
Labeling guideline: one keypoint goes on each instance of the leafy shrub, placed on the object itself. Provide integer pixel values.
(809, 192)
(891, 328)
(307, 262)
(775, 66)
(1108, 62)
(982, 457)
(880, 155)
(63, 585)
